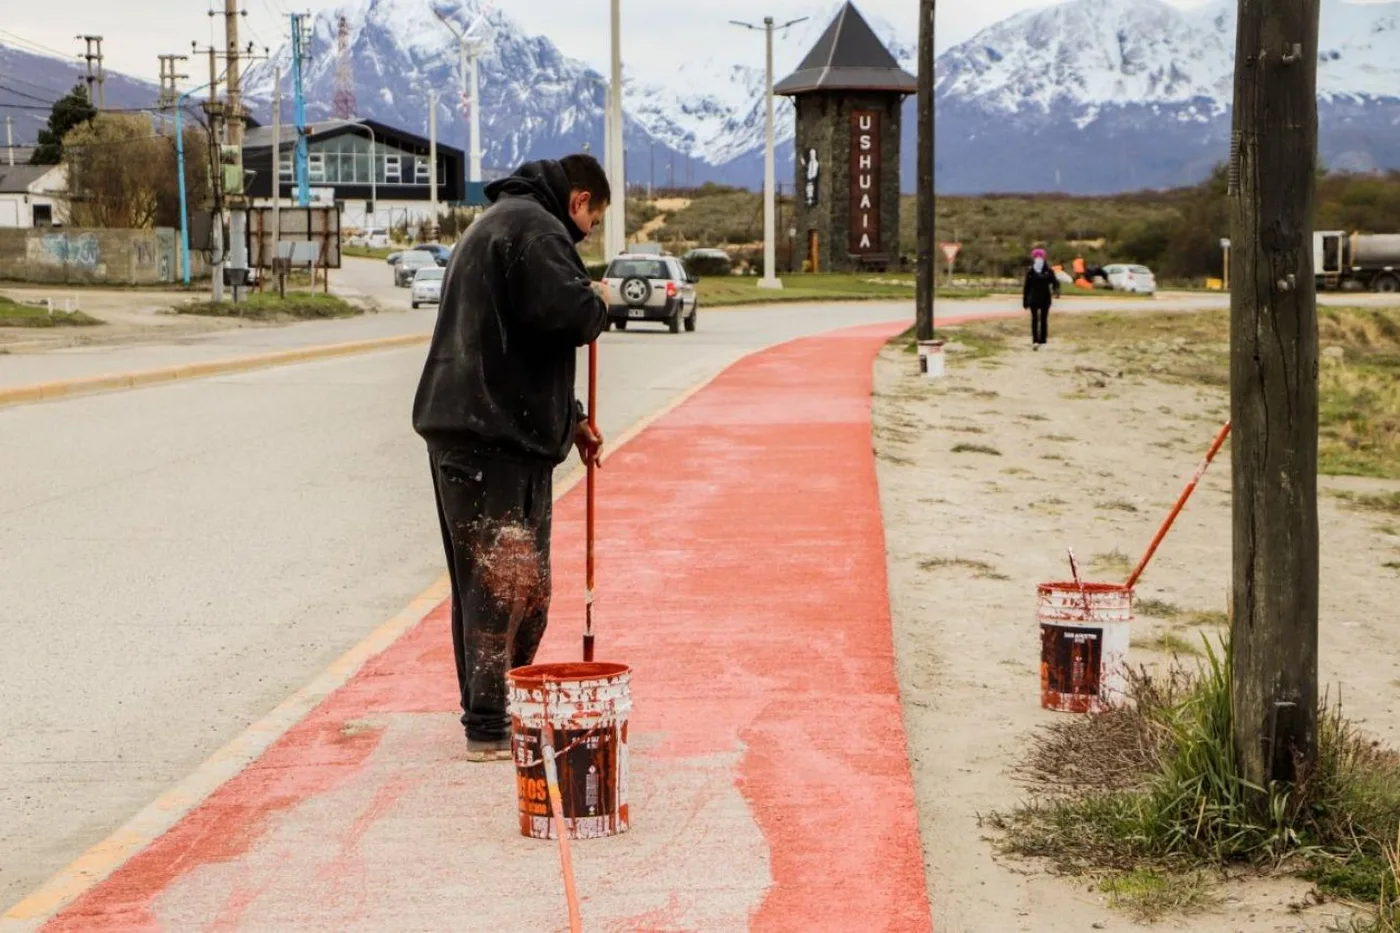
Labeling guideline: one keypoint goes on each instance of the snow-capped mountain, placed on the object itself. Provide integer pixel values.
(535, 101)
(704, 121)
(1105, 95)
(1085, 96)
(726, 120)
(1358, 50)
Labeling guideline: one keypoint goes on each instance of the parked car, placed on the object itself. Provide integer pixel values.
(642, 287)
(706, 261)
(440, 253)
(1125, 277)
(409, 265)
(373, 238)
(427, 286)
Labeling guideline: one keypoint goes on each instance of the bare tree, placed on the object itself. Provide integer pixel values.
(123, 175)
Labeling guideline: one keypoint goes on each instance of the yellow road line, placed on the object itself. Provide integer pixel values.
(98, 862)
(89, 385)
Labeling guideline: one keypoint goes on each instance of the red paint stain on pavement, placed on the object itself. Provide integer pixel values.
(760, 620)
(757, 622)
(307, 761)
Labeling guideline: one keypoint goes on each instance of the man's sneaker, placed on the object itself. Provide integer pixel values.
(488, 749)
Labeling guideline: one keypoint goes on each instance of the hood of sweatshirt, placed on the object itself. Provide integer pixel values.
(546, 183)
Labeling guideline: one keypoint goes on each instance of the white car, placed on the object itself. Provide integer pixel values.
(373, 238)
(427, 286)
(1124, 277)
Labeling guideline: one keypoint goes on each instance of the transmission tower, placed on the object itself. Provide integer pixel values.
(344, 103)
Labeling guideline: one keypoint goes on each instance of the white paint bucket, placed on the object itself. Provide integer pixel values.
(931, 358)
(586, 704)
(1084, 637)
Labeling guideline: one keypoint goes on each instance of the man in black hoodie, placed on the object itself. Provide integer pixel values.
(496, 406)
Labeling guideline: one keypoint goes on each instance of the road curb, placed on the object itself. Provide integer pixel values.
(91, 385)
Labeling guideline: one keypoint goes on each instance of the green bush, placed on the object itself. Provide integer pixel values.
(1156, 784)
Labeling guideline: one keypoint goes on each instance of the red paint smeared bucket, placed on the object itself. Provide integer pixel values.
(587, 706)
(1084, 636)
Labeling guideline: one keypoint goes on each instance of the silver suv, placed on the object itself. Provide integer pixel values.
(646, 287)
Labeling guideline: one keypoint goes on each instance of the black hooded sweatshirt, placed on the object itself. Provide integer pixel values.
(1039, 287)
(517, 302)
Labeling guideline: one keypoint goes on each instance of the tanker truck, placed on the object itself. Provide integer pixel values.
(1357, 261)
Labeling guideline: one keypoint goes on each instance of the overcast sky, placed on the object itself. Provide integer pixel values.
(136, 31)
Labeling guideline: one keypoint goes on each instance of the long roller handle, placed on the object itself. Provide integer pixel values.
(591, 490)
(1180, 504)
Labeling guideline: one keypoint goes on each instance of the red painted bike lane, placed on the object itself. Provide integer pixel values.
(741, 572)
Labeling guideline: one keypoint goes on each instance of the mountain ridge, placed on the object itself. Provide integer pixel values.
(1086, 96)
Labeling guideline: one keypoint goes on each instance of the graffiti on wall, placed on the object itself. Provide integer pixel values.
(80, 250)
(143, 253)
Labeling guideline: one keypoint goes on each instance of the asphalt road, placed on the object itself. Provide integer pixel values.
(374, 279)
(177, 560)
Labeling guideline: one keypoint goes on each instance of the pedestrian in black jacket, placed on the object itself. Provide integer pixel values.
(1041, 286)
(496, 406)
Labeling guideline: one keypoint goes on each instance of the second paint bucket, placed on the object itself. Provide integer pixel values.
(1084, 637)
(587, 705)
(931, 359)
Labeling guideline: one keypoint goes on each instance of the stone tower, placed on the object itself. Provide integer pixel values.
(849, 92)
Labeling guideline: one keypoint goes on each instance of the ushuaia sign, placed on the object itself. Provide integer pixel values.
(865, 182)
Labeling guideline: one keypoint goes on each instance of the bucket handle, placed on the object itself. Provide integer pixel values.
(563, 751)
(548, 695)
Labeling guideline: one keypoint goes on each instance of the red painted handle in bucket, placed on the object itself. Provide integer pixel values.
(591, 487)
(556, 805)
(1180, 504)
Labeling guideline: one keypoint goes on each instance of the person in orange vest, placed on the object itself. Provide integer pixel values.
(1080, 278)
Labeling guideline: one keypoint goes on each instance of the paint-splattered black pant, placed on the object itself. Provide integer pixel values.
(496, 518)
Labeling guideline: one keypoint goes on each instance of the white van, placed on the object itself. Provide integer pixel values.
(373, 238)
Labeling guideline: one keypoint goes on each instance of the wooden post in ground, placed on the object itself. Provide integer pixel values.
(923, 311)
(1273, 388)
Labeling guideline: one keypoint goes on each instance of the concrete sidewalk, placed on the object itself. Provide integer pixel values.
(742, 575)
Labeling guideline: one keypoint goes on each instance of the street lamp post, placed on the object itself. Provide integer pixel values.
(770, 210)
(615, 232)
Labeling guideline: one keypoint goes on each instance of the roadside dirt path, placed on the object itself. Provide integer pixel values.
(986, 478)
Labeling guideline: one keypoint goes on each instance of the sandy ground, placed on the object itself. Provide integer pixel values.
(1091, 463)
(128, 316)
(132, 316)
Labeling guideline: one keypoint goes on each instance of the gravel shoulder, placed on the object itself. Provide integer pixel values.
(986, 477)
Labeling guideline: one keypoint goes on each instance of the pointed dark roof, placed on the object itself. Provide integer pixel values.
(848, 57)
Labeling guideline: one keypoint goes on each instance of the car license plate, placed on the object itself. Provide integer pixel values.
(636, 312)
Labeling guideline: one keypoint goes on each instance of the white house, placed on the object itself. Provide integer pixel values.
(33, 195)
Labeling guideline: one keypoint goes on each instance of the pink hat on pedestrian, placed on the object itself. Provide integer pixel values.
(1037, 253)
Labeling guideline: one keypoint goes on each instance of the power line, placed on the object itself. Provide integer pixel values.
(34, 46)
(20, 93)
(42, 87)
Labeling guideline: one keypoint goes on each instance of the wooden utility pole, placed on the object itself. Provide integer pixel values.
(923, 303)
(1273, 389)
